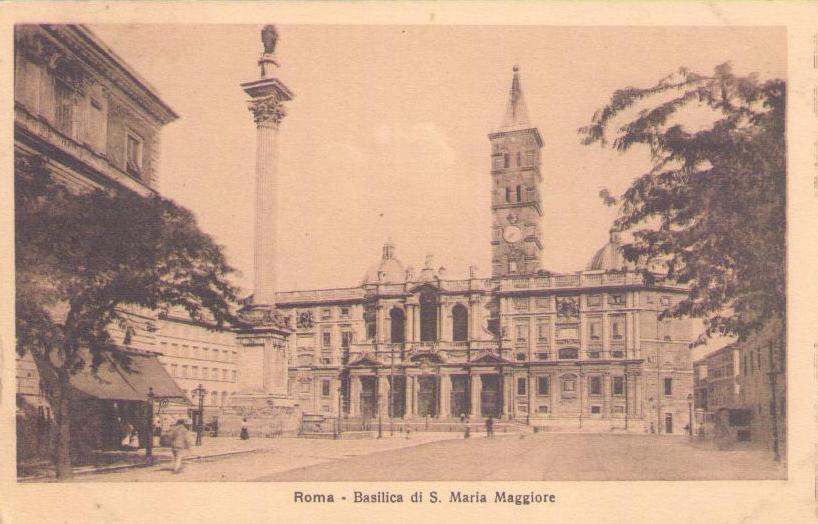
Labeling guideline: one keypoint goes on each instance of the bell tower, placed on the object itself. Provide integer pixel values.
(516, 243)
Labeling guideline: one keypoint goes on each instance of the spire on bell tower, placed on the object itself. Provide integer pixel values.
(516, 115)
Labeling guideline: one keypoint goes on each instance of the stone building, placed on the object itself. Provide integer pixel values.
(717, 386)
(95, 123)
(763, 386)
(574, 350)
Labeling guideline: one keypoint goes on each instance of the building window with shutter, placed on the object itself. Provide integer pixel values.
(64, 107)
(543, 386)
(595, 385)
(325, 387)
(522, 386)
(618, 386)
(133, 154)
(668, 387)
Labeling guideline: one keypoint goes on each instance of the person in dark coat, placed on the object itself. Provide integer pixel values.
(490, 427)
(245, 434)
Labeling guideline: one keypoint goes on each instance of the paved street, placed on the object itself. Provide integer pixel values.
(442, 457)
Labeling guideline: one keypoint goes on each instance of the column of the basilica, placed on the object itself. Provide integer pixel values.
(383, 395)
(409, 323)
(407, 396)
(476, 389)
(607, 393)
(355, 396)
(444, 392)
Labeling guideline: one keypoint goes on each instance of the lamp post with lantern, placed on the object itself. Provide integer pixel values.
(690, 415)
(198, 419)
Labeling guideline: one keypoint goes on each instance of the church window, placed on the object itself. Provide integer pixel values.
(522, 386)
(522, 332)
(617, 329)
(519, 159)
(596, 410)
(326, 339)
(595, 330)
(460, 323)
(616, 299)
(397, 326)
(519, 193)
(543, 329)
(326, 314)
(428, 317)
(543, 386)
(325, 387)
(345, 312)
(505, 160)
(520, 357)
(668, 387)
(618, 386)
(595, 385)
(346, 338)
(569, 353)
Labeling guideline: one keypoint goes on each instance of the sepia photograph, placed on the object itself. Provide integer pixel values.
(283, 252)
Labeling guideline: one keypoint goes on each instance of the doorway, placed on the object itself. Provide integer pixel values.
(669, 423)
(369, 397)
(491, 397)
(427, 396)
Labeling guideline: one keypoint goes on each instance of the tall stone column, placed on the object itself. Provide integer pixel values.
(267, 96)
(383, 395)
(407, 396)
(445, 389)
(476, 389)
(355, 396)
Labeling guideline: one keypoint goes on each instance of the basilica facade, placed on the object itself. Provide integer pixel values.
(584, 350)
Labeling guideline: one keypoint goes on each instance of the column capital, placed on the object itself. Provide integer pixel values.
(267, 110)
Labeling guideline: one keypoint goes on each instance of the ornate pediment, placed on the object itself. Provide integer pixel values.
(366, 360)
(426, 358)
(487, 357)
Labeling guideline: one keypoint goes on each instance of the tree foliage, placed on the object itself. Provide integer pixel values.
(712, 207)
(84, 259)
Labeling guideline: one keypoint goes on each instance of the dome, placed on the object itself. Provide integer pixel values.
(610, 257)
(388, 270)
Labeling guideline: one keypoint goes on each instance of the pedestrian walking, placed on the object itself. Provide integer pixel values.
(180, 443)
(489, 427)
(245, 434)
(467, 432)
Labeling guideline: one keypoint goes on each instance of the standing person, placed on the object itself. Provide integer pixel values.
(244, 433)
(467, 432)
(489, 427)
(180, 442)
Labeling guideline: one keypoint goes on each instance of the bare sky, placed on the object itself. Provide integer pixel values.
(386, 136)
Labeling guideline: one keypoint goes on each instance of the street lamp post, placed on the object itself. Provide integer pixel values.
(690, 415)
(200, 420)
(627, 406)
(380, 415)
(149, 428)
(338, 425)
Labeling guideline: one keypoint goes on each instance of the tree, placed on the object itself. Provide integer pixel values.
(83, 259)
(712, 207)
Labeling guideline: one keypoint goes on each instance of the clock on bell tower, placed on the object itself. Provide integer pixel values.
(515, 202)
